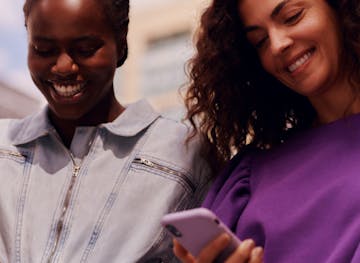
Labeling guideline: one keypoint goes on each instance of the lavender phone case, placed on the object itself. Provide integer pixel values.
(195, 228)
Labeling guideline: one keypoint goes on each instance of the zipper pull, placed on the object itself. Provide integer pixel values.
(76, 170)
(146, 162)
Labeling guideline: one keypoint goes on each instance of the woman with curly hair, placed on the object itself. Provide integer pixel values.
(277, 82)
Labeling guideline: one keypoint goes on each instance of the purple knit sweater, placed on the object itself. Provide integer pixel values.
(301, 200)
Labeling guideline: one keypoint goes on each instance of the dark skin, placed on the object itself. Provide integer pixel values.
(73, 55)
(66, 128)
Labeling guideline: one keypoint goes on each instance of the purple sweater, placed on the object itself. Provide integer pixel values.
(301, 200)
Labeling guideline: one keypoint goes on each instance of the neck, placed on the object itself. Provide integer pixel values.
(106, 111)
(342, 101)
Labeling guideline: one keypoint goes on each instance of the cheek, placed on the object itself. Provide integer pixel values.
(267, 62)
(102, 66)
(100, 71)
(334, 44)
(107, 55)
(37, 67)
(321, 29)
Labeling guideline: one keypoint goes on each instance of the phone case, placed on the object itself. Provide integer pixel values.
(195, 228)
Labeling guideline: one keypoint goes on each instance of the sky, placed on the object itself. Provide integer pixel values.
(13, 48)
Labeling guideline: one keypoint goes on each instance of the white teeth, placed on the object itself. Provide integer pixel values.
(68, 90)
(299, 62)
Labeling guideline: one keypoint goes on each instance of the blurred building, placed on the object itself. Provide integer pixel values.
(16, 104)
(160, 43)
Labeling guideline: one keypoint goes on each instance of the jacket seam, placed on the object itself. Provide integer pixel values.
(106, 210)
(21, 204)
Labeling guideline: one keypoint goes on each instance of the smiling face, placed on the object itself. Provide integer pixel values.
(72, 56)
(298, 42)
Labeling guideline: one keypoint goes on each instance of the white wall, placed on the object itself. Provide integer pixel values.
(15, 104)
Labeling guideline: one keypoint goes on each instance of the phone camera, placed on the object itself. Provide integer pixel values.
(173, 230)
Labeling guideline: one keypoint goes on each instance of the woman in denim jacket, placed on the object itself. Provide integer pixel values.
(86, 179)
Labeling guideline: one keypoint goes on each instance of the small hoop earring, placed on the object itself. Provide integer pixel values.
(74, 67)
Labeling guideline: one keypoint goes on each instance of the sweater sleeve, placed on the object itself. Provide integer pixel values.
(230, 192)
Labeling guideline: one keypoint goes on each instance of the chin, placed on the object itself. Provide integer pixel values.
(67, 115)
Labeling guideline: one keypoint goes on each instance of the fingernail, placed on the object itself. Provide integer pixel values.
(225, 238)
(247, 244)
(258, 252)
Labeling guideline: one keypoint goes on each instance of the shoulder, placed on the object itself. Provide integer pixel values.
(10, 132)
(7, 128)
(166, 141)
(167, 131)
(21, 131)
(4, 124)
(235, 176)
(231, 191)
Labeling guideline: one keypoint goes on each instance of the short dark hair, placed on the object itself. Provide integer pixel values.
(115, 11)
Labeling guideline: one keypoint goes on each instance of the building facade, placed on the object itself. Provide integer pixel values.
(160, 44)
(16, 104)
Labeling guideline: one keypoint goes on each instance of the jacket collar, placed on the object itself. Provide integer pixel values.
(134, 119)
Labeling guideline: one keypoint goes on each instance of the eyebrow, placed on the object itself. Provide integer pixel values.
(278, 8)
(78, 39)
(87, 38)
(45, 39)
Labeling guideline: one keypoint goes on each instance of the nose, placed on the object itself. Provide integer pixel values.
(280, 41)
(64, 65)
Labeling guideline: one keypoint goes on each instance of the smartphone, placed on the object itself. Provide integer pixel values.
(195, 228)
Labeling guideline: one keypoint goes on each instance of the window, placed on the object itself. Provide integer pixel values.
(163, 64)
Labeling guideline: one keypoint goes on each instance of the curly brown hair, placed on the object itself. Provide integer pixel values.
(232, 102)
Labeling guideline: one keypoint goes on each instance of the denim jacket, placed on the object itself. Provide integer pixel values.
(102, 200)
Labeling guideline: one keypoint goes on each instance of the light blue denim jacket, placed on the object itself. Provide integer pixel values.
(103, 200)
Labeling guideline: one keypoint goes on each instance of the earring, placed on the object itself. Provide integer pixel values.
(74, 67)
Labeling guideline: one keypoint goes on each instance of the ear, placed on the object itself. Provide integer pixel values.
(123, 53)
(122, 48)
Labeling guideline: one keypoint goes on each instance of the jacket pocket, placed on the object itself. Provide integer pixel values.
(162, 169)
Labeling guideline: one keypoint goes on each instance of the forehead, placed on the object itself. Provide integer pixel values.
(65, 5)
(258, 9)
(67, 16)
(65, 10)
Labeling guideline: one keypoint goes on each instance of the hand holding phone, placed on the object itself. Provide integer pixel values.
(196, 228)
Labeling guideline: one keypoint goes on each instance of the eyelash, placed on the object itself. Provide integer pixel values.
(289, 21)
(294, 18)
(43, 53)
(82, 52)
(87, 52)
(260, 43)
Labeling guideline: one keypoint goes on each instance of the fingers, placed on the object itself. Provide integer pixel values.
(181, 253)
(257, 255)
(207, 255)
(246, 252)
(242, 253)
(213, 249)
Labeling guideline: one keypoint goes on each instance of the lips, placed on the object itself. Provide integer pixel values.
(300, 61)
(67, 89)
